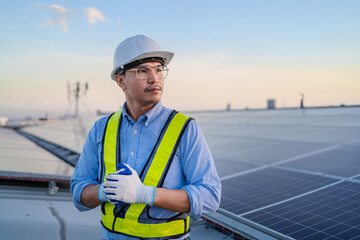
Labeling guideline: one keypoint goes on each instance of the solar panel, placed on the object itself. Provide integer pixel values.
(335, 135)
(342, 161)
(332, 148)
(230, 146)
(331, 213)
(70, 133)
(226, 167)
(264, 187)
(17, 154)
(263, 131)
(279, 151)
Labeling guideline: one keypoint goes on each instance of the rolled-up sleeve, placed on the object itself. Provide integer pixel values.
(203, 185)
(87, 168)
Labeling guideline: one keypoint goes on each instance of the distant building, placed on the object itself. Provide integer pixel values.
(271, 104)
(228, 107)
(3, 121)
(302, 100)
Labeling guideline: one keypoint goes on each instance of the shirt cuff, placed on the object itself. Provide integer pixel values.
(195, 200)
(77, 197)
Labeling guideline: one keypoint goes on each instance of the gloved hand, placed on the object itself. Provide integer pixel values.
(128, 188)
(124, 170)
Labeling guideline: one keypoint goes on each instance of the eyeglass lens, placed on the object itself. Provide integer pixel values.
(142, 72)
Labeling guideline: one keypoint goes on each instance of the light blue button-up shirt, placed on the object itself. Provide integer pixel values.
(192, 168)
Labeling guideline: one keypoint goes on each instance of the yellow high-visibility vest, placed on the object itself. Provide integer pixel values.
(157, 165)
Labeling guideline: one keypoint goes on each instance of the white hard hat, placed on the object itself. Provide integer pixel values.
(137, 48)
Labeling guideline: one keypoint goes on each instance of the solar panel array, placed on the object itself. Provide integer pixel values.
(329, 213)
(21, 157)
(296, 172)
(70, 133)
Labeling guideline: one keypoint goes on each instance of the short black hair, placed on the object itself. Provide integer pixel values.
(121, 71)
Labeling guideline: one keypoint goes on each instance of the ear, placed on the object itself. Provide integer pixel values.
(119, 79)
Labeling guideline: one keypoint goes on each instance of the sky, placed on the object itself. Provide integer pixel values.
(233, 52)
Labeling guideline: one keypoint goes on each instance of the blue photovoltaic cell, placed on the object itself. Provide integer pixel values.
(261, 188)
(230, 146)
(278, 152)
(336, 135)
(227, 167)
(343, 161)
(331, 213)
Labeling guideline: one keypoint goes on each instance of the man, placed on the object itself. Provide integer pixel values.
(168, 174)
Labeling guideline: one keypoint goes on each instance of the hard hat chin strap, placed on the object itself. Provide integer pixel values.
(138, 62)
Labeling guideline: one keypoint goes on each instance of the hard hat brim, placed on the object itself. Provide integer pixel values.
(167, 56)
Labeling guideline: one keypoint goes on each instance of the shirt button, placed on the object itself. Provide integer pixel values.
(132, 153)
(146, 124)
(135, 131)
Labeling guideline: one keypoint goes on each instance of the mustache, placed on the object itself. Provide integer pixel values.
(154, 87)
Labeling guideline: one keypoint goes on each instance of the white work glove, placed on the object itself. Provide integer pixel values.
(128, 188)
(102, 194)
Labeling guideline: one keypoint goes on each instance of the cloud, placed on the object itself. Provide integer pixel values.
(60, 16)
(42, 25)
(93, 15)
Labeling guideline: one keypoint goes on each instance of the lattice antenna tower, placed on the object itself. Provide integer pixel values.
(75, 91)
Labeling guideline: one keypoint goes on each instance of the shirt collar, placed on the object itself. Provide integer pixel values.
(125, 114)
(149, 116)
(153, 113)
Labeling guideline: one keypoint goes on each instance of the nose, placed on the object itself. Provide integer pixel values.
(152, 76)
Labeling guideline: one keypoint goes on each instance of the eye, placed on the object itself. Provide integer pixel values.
(159, 69)
(142, 70)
